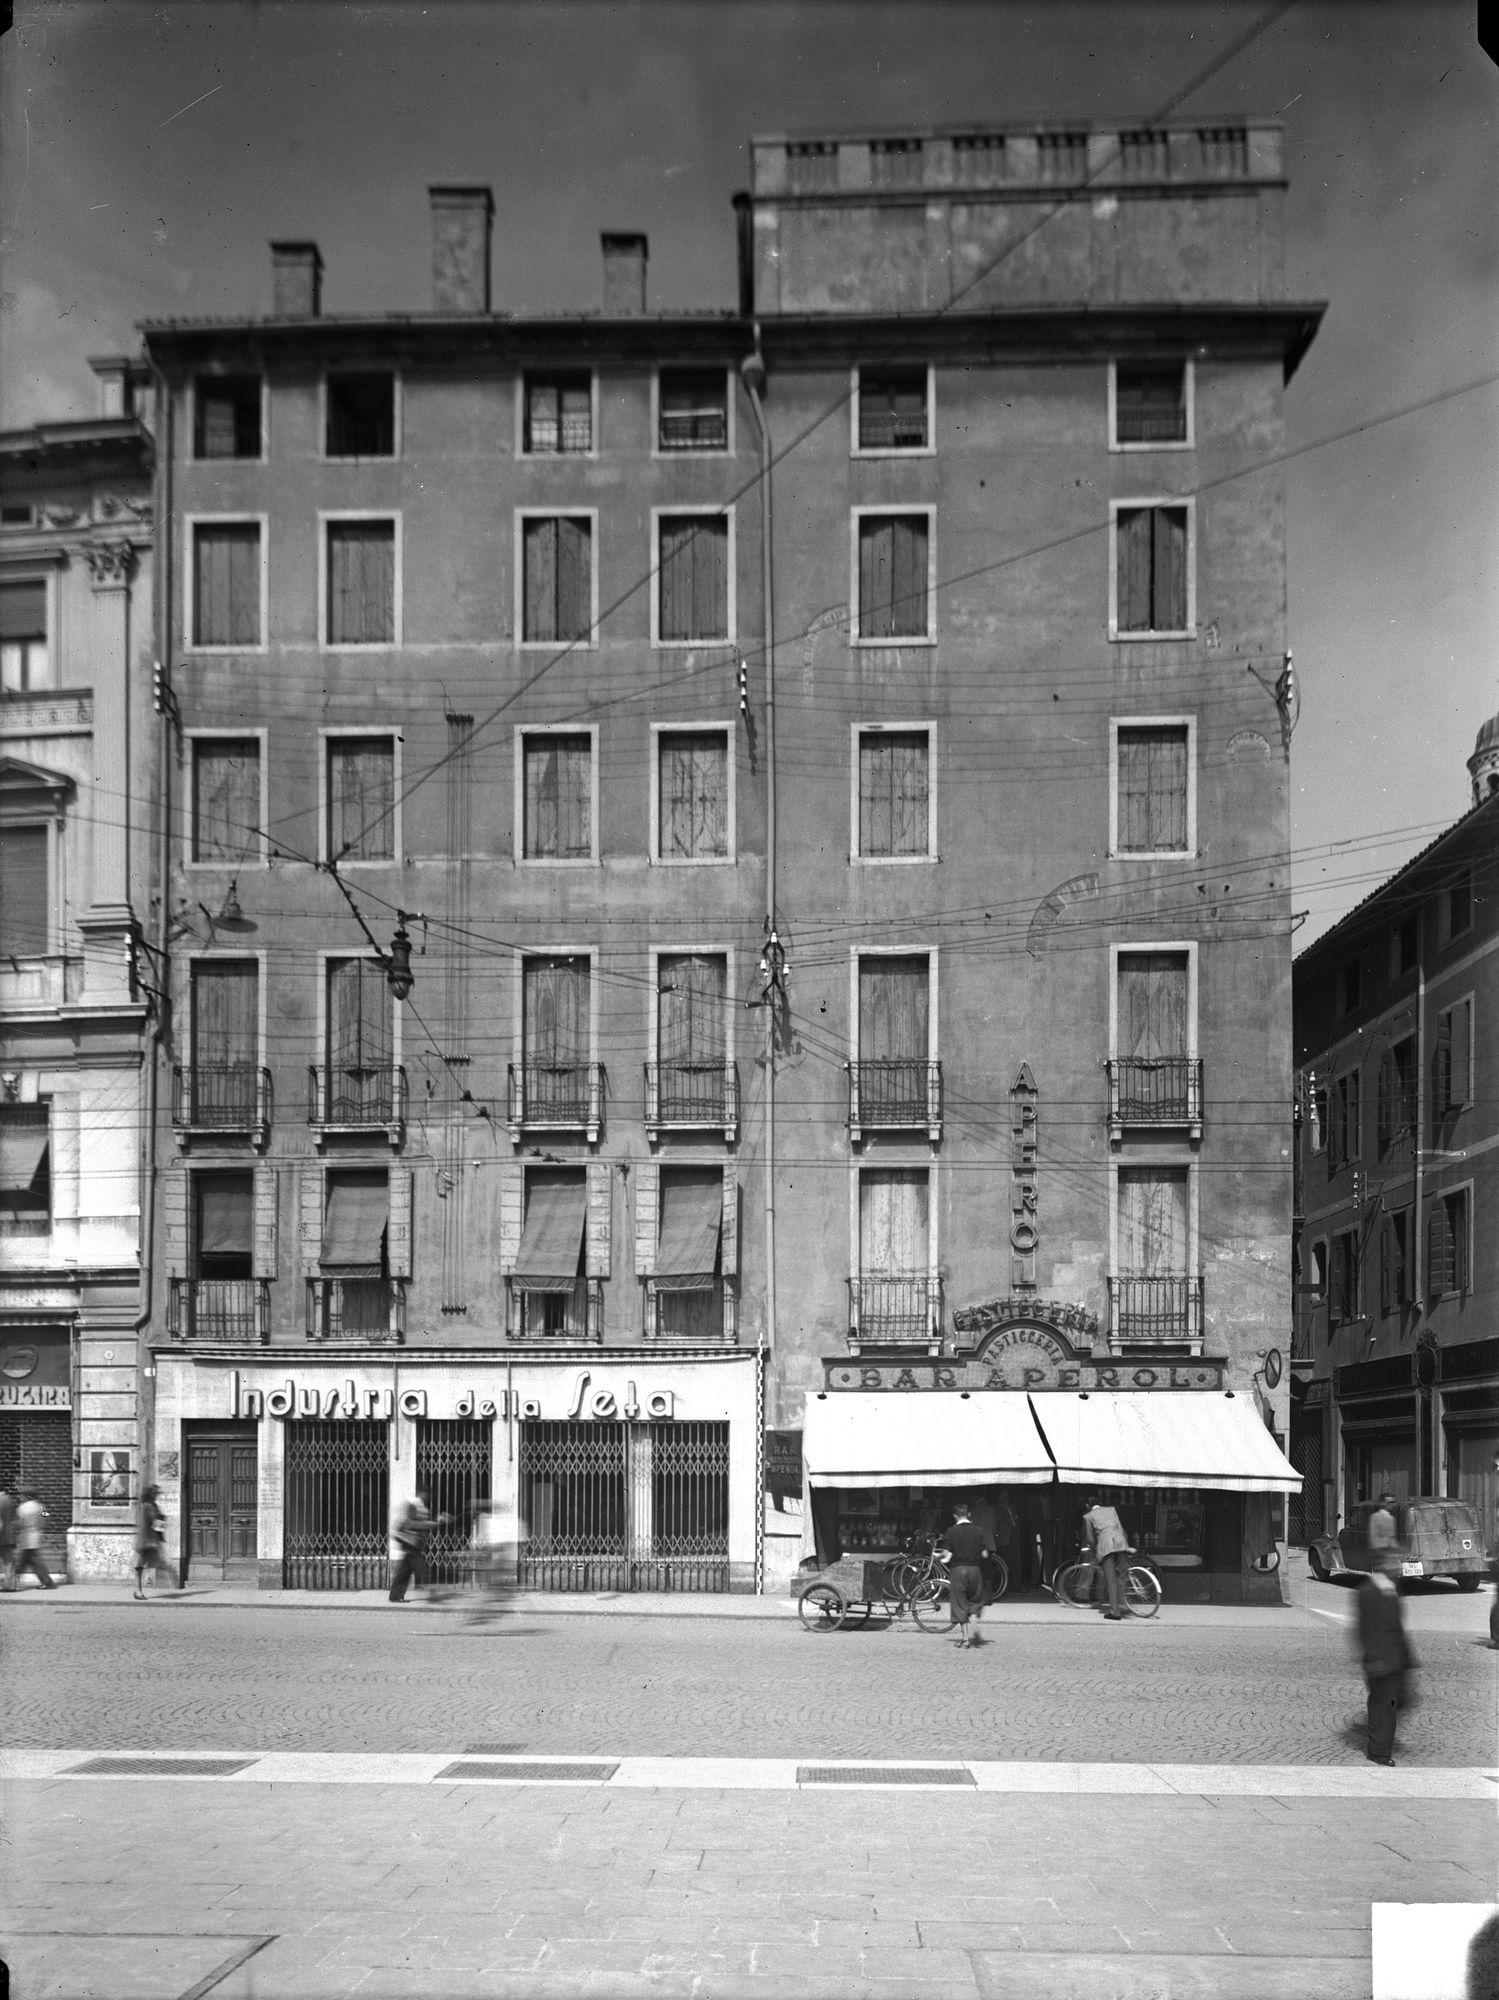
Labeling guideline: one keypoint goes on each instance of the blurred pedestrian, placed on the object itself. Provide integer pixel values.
(31, 1521)
(1386, 1656)
(411, 1534)
(150, 1541)
(7, 1539)
(488, 1554)
(1382, 1533)
(1109, 1546)
(965, 1547)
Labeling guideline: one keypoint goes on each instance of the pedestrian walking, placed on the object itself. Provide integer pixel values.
(486, 1543)
(411, 1534)
(965, 1547)
(7, 1539)
(31, 1520)
(1110, 1550)
(1386, 1656)
(150, 1541)
(1382, 1532)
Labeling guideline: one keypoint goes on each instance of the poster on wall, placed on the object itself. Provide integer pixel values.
(783, 1473)
(109, 1479)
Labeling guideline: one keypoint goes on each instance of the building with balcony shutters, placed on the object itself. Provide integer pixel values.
(849, 906)
(77, 856)
(1395, 1375)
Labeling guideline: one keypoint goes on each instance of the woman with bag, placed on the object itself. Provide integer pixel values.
(150, 1544)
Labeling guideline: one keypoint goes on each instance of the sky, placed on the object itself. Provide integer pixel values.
(149, 153)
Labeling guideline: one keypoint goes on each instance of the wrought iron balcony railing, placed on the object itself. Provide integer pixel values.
(709, 1315)
(1157, 1091)
(572, 432)
(344, 1098)
(221, 1097)
(1156, 1313)
(348, 437)
(1151, 423)
(694, 430)
(556, 1097)
(895, 1309)
(357, 1308)
(891, 430)
(573, 1315)
(692, 1096)
(894, 1096)
(235, 1310)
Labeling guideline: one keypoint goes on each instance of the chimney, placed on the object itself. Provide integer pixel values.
(116, 387)
(461, 219)
(296, 281)
(744, 218)
(624, 273)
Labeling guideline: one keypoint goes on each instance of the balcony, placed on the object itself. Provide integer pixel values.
(236, 1311)
(692, 1097)
(895, 1309)
(357, 1308)
(695, 430)
(572, 1316)
(706, 1316)
(556, 1097)
(1155, 1092)
(221, 1100)
(357, 1100)
(1155, 1315)
(894, 1096)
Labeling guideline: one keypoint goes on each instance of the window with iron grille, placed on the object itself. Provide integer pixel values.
(361, 414)
(1150, 402)
(1394, 1262)
(226, 583)
(694, 409)
(1152, 552)
(556, 579)
(894, 794)
(1448, 1247)
(693, 804)
(893, 1054)
(225, 1003)
(893, 581)
(25, 657)
(226, 416)
(361, 798)
(226, 798)
(26, 1168)
(361, 582)
(893, 409)
(693, 578)
(558, 414)
(25, 892)
(1154, 776)
(557, 775)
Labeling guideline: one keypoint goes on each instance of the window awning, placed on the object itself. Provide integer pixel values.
(355, 1222)
(687, 1254)
(225, 1209)
(922, 1439)
(22, 1151)
(1194, 1438)
(551, 1243)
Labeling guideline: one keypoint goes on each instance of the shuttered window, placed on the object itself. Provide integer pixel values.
(554, 1003)
(557, 579)
(25, 1168)
(361, 798)
(226, 583)
(225, 1011)
(893, 409)
(1153, 1221)
(361, 608)
(559, 414)
(25, 926)
(1447, 1245)
(558, 780)
(894, 794)
(692, 1003)
(25, 662)
(223, 1225)
(1152, 1004)
(361, 1029)
(1152, 790)
(1151, 569)
(694, 414)
(361, 415)
(694, 577)
(694, 798)
(1452, 1059)
(355, 1223)
(226, 798)
(1394, 1262)
(1150, 401)
(893, 602)
(893, 1223)
(894, 1008)
(226, 417)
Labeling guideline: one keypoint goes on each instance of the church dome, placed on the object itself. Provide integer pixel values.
(1483, 765)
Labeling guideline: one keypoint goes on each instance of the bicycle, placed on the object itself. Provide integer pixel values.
(1074, 1585)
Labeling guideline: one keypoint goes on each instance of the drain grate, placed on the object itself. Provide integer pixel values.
(493, 1749)
(884, 1774)
(523, 1772)
(159, 1767)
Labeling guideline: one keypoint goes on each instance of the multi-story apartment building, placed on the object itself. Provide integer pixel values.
(1396, 1361)
(756, 877)
(76, 855)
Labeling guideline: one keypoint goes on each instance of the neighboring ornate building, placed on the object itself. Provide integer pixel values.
(77, 825)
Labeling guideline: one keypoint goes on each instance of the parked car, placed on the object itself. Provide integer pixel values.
(1436, 1538)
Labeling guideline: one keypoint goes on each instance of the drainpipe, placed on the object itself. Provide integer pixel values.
(1418, 1248)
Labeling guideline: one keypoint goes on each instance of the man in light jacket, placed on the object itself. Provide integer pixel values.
(31, 1520)
(1110, 1547)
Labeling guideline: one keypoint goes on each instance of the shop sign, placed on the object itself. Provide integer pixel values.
(345, 1400)
(1024, 1235)
(783, 1466)
(35, 1396)
(34, 1370)
(1023, 1357)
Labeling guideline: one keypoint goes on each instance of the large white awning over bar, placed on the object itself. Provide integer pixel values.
(896, 1438)
(1202, 1439)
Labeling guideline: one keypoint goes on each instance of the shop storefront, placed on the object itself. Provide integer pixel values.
(1469, 1378)
(600, 1472)
(36, 1424)
(1377, 1412)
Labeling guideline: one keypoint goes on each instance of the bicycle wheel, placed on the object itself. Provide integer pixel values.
(931, 1606)
(905, 1575)
(1001, 1580)
(821, 1608)
(1142, 1594)
(1073, 1586)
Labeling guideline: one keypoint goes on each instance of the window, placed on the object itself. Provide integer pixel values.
(359, 1027)
(1447, 1246)
(1154, 1076)
(25, 892)
(1061, 156)
(1349, 987)
(1151, 403)
(556, 1029)
(1319, 1268)
(25, 658)
(893, 812)
(558, 414)
(1345, 1300)
(360, 608)
(226, 416)
(1404, 941)
(549, 1270)
(361, 780)
(223, 1225)
(1396, 1114)
(356, 1260)
(692, 1077)
(226, 801)
(1452, 1060)
(694, 409)
(686, 1281)
(26, 1169)
(361, 415)
(227, 583)
(893, 554)
(557, 602)
(557, 794)
(1344, 1138)
(695, 578)
(693, 797)
(1153, 802)
(894, 1292)
(893, 409)
(1152, 569)
(1455, 908)
(225, 1010)
(893, 1080)
(1394, 1262)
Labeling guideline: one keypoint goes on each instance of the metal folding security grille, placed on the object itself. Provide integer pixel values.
(453, 1470)
(687, 1543)
(337, 1520)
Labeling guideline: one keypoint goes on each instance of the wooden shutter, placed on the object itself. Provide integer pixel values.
(25, 929)
(894, 1003)
(225, 1011)
(876, 565)
(398, 1223)
(1334, 1126)
(1460, 1059)
(1153, 1222)
(1169, 535)
(1152, 1009)
(555, 1010)
(361, 1029)
(710, 578)
(361, 798)
(1353, 1127)
(1441, 1067)
(174, 1221)
(539, 579)
(1386, 1262)
(265, 1220)
(1338, 1288)
(908, 575)
(1132, 531)
(728, 1236)
(1384, 1111)
(226, 799)
(1438, 1252)
(647, 1179)
(893, 1232)
(226, 584)
(361, 582)
(691, 1025)
(574, 578)
(1457, 1236)
(675, 581)
(598, 1237)
(310, 1219)
(512, 1212)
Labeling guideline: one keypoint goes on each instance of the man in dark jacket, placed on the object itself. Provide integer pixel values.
(1386, 1655)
